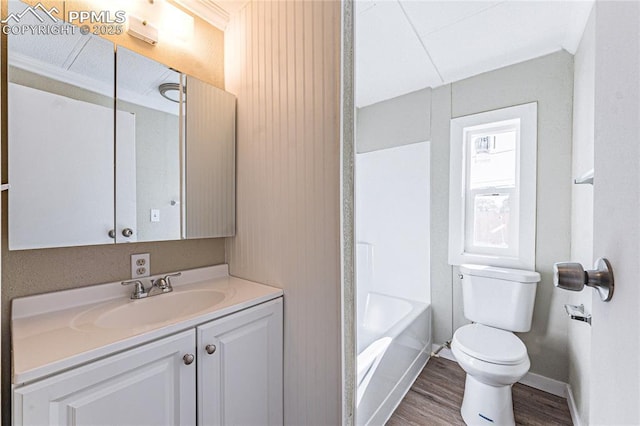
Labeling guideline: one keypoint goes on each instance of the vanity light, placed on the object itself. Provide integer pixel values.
(171, 91)
(141, 29)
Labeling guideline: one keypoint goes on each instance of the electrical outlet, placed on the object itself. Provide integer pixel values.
(140, 265)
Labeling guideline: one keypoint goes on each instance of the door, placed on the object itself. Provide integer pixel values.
(615, 338)
(148, 385)
(240, 368)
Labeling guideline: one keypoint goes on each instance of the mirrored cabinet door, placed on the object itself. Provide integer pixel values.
(61, 133)
(148, 149)
(161, 166)
(210, 161)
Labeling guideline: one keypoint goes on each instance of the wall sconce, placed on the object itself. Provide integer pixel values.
(162, 22)
(141, 29)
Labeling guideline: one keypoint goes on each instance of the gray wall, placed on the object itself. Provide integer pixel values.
(549, 82)
(394, 122)
(442, 295)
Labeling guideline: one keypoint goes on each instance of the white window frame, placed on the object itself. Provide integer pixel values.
(522, 255)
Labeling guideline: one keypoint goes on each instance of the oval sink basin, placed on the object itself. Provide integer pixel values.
(149, 311)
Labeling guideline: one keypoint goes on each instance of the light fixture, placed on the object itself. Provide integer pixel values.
(171, 91)
(141, 29)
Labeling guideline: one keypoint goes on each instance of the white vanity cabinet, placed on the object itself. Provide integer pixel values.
(240, 368)
(226, 371)
(147, 385)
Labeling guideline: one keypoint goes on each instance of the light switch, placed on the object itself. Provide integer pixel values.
(155, 215)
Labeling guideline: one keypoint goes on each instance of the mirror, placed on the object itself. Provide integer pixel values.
(210, 161)
(169, 175)
(148, 149)
(60, 127)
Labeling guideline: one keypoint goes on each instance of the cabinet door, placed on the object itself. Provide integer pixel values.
(148, 385)
(240, 383)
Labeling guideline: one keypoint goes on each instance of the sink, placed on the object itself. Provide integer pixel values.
(149, 311)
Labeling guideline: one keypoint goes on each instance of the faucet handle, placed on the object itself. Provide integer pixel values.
(168, 277)
(138, 291)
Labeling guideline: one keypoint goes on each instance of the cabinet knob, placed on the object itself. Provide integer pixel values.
(127, 232)
(112, 233)
(210, 349)
(188, 359)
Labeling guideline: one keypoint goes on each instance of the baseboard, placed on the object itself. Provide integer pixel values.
(573, 408)
(552, 386)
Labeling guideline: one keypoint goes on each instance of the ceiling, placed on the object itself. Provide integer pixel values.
(405, 45)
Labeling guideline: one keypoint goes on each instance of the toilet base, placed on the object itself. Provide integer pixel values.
(486, 405)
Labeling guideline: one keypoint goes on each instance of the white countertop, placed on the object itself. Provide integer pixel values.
(55, 331)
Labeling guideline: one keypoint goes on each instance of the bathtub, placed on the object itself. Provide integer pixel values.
(394, 341)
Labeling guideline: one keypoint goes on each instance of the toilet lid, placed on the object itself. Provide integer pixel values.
(490, 344)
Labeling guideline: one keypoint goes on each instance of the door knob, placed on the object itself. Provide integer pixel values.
(210, 349)
(188, 359)
(127, 232)
(572, 276)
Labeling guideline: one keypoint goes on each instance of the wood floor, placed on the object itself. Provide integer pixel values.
(435, 399)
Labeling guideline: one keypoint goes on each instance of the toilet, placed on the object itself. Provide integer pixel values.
(498, 301)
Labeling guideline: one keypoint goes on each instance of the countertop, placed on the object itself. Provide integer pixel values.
(54, 332)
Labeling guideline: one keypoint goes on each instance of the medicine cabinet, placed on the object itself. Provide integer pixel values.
(108, 146)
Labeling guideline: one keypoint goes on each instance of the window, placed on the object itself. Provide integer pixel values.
(493, 188)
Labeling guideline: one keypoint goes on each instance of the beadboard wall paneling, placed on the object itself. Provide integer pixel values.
(282, 62)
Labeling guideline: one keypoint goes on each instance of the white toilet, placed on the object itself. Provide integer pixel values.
(499, 301)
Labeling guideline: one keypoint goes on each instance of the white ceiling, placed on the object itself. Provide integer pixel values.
(405, 45)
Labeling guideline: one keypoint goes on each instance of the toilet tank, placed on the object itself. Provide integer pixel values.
(499, 297)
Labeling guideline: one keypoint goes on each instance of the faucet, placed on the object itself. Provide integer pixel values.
(162, 285)
(158, 286)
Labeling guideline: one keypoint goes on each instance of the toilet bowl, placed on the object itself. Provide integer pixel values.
(494, 360)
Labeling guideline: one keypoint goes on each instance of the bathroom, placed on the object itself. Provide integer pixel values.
(289, 66)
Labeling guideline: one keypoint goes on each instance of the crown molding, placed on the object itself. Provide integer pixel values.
(210, 11)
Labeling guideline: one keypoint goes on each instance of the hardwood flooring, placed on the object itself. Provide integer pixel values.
(436, 396)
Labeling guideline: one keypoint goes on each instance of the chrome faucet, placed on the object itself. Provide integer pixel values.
(158, 286)
(162, 285)
(139, 291)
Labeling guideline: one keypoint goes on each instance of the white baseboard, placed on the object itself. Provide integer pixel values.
(552, 386)
(573, 408)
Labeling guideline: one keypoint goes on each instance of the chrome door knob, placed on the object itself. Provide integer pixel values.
(572, 276)
(210, 349)
(127, 232)
(188, 359)
(112, 233)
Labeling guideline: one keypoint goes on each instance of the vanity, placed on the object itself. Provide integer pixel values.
(207, 353)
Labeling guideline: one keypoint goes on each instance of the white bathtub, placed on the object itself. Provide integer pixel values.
(394, 341)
